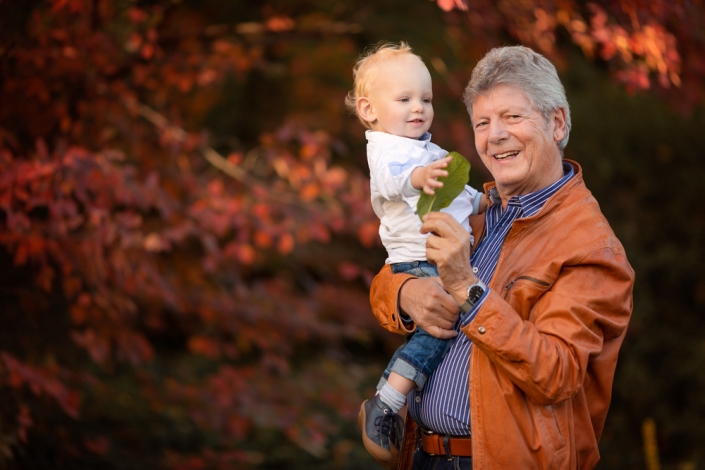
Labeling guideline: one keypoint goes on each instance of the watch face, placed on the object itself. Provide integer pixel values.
(475, 293)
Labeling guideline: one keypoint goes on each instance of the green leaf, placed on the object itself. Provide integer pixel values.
(453, 184)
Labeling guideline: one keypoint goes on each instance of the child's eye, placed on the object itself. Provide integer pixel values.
(427, 100)
(404, 100)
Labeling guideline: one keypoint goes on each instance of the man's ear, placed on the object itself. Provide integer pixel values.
(365, 109)
(559, 124)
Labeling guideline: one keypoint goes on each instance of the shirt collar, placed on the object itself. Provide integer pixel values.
(532, 202)
(376, 136)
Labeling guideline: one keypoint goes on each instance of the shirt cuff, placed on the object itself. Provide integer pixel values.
(476, 203)
(467, 318)
(407, 189)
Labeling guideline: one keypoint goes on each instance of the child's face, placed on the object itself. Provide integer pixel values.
(400, 99)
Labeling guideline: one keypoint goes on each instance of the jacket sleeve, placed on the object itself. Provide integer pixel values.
(547, 354)
(384, 299)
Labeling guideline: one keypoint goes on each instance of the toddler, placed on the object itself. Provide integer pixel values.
(392, 98)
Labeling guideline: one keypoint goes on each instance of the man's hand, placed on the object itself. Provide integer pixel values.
(430, 306)
(426, 177)
(448, 246)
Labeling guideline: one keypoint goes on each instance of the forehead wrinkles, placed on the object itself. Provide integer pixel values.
(484, 99)
(503, 103)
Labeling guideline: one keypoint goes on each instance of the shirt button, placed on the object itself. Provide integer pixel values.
(418, 399)
(475, 270)
(481, 330)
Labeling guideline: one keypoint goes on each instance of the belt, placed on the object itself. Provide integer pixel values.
(439, 444)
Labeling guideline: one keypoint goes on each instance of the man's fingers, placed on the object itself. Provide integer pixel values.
(434, 224)
(430, 306)
(440, 224)
(440, 333)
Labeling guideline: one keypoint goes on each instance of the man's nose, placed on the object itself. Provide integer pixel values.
(498, 132)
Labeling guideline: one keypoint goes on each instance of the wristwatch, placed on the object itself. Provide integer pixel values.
(475, 292)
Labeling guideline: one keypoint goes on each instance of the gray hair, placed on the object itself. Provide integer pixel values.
(527, 70)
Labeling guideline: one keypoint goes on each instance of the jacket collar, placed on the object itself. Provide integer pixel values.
(555, 199)
(572, 190)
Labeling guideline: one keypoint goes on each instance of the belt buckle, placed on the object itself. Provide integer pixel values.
(427, 431)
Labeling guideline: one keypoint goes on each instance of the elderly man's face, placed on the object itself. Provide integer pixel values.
(516, 143)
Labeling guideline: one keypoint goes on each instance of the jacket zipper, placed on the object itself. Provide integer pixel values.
(527, 278)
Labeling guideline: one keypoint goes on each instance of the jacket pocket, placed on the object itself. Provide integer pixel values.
(523, 293)
(551, 434)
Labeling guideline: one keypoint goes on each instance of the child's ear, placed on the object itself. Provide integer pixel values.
(365, 109)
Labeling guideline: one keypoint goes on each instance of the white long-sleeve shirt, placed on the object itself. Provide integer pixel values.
(391, 160)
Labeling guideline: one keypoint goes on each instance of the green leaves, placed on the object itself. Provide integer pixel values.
(453, 184)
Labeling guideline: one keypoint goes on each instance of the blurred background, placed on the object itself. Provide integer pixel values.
(187, 243)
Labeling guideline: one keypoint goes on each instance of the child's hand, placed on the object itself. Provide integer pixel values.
(426, 177)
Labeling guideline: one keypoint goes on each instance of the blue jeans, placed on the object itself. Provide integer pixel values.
(421, 353)
(424, 461)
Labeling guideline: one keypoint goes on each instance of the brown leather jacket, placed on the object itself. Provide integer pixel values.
(546, 338)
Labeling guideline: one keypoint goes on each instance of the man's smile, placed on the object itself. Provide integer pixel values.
(502, 156)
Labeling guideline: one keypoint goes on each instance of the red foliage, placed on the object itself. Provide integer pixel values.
(644, 44)
(134, 223)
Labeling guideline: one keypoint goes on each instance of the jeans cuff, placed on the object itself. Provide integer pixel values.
(410, 372)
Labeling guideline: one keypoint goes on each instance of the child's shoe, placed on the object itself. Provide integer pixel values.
(382, 431)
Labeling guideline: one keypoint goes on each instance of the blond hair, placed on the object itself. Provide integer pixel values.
(363, 71)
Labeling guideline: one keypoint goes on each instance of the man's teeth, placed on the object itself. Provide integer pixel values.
(502, 156)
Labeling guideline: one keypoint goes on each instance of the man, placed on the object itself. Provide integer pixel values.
(544, 301)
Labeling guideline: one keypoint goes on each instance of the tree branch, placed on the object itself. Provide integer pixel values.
(212, 156)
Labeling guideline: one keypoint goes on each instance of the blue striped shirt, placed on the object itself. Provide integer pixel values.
(443, 406)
